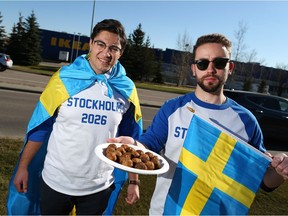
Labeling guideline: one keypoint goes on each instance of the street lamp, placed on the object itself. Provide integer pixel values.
(92, 17)
(79, 34)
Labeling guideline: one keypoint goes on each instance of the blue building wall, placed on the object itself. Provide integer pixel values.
(53, 43)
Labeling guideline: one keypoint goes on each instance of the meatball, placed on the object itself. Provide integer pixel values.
(109, 149)
(112, 156)
(156, 162)
(135, 154)
(112, 145)
(127, 148)
(144, 157)
(123, 157)
(121, 149)
(139, 151)
(136, 160)
(141, 165)
(150, 154)
(127, 162)
(150, 165)
(118, 153)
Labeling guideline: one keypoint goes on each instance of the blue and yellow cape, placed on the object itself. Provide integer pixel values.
(66, 82)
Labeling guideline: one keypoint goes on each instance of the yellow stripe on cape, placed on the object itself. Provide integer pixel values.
(54, 94)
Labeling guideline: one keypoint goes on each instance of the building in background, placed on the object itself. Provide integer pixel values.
(275, 79)
(65, 47)
(61, 46)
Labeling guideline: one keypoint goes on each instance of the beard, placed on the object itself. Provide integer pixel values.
(211, 87)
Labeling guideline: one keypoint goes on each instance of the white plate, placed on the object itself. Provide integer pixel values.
(99, 150)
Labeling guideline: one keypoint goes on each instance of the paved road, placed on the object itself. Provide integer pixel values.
(17, 106)
(19, 92)
(11, 79)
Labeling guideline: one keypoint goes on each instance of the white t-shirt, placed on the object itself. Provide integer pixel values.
(85, 120)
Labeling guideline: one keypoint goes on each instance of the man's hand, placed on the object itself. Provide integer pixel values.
(280, 164)
(121, 139)
(125, 140)
(21, 180)
(21, 177)
(277, 172)
(133, 194)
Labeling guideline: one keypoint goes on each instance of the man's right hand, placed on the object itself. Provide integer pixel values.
(121, 139)
(21, 180)
(125, 140)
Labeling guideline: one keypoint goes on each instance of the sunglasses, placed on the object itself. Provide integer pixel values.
(219, 63)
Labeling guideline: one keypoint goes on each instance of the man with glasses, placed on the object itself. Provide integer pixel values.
(83, 105)
(211, 67)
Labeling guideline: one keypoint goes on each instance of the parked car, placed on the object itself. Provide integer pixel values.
(5, 62)
(271, 113)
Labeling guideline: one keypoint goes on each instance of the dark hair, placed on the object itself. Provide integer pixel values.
(212, 38)
(113, 26)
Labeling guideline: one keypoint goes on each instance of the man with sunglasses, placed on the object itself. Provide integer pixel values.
(211, 67)
(83, 104)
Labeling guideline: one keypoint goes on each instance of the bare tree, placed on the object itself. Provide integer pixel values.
(250, 57)
(282, 66)
(241, 54)
(282, 77)
(240, 41)
(184, 44)
(238, 50)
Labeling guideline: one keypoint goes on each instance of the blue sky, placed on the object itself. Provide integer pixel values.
(164, 21)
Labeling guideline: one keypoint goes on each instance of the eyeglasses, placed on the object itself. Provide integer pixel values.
(102, 46)
(219, 63)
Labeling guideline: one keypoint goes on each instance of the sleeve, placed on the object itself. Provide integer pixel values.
(156, 134)
(253, 130)
(40, 133)
(252, 126)
(128, 125)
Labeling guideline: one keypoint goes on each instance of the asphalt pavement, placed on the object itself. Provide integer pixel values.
(18, 81)
(6, 82)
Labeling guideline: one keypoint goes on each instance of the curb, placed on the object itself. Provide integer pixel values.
(40, 91)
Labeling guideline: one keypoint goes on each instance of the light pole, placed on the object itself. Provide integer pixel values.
(72, 48)
(78, 44)
(92, 17)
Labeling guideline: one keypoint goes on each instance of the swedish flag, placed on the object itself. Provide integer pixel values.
(216, 173)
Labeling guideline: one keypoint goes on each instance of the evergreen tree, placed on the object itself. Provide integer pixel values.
(139, 58)
(32, 41)
(149, 63)
(262, 86)
(137, 52)
(247, 84)
(12, 44)
(138, 37)
(24, 45)
(126, 59)
(158, 68)
(3, 36)
(16, 46)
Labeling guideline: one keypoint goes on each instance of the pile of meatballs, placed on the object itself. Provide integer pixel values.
(128, 156)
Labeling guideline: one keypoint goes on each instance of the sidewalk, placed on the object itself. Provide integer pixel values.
(33, 83)
(18, 87)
